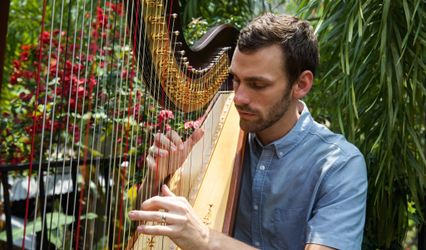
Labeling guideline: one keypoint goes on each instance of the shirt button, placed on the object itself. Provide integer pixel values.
(257, 243)
(255, 207)
(262, 167)
(281, 154)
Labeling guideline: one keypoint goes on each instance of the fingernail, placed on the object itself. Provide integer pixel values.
(140, 228)
(131, 214)
(181, 146)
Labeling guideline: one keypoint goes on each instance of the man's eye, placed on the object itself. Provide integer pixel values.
(257, 86)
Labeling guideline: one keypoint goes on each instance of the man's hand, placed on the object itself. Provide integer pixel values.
(173, 217)
(168, 152)
(166, 155)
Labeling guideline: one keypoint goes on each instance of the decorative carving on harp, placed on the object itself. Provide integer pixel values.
(102, 79)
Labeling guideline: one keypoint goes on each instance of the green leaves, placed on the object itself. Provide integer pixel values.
(373, 58)
(54, 222)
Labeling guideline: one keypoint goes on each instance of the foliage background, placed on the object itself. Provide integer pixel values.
(373, 80)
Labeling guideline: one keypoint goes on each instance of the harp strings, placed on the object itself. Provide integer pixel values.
(84, 105)
(34, 126)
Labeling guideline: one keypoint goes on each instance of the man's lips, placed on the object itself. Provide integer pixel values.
(245, 114)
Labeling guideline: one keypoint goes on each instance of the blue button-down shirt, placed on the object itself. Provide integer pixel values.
(309, 186)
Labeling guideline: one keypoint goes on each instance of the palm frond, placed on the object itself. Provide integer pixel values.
(373, 65)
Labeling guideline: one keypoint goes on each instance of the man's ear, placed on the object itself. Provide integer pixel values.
(303, 84)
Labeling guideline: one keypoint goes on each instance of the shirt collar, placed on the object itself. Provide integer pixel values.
(286, 143)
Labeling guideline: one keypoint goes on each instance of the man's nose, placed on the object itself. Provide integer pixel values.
(241, 96)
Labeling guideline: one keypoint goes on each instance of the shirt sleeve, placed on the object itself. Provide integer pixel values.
(338, 214)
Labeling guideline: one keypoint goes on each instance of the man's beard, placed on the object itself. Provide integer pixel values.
(275, 113)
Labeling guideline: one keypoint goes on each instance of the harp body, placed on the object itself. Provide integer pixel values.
(209, 176)
(96, 94)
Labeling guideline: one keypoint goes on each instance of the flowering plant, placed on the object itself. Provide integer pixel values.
(77, 90)
(77, 94)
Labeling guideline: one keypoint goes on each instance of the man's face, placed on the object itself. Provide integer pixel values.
(262, 96)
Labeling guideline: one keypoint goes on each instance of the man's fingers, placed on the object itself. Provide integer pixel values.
(162, 202)
(157, 152)
(172, 141)
(156, 216)
(197, 135)
(175, 138)
(193, 139)
(157, 229)
(162, 141)
(151, 162)
(166, 191)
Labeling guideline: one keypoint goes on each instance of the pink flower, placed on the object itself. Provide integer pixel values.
(192, 124)
(164, 116)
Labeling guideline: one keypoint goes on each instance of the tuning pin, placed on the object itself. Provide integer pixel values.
(174, 15)
(176, 33)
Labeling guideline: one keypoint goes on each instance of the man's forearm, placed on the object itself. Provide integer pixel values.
(220, 241)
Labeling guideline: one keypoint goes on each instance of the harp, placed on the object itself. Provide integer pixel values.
(101, 79)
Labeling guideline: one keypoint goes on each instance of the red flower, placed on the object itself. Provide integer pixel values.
(25, 47)
(72, 103)
(45, 37)
(24, 55)
(92, 83)
(25, 97)
(80, 91)
(124, 73)
(101, 18)
(74, 131)
(27, 74)
(16, 64)
(13, 79)
(117, 8)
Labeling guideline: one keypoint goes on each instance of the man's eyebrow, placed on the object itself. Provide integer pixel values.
(252, 78)
(258, 79)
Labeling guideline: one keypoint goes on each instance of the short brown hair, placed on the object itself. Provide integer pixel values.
(295, 37)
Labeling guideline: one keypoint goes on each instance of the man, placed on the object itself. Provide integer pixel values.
(302, 185)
